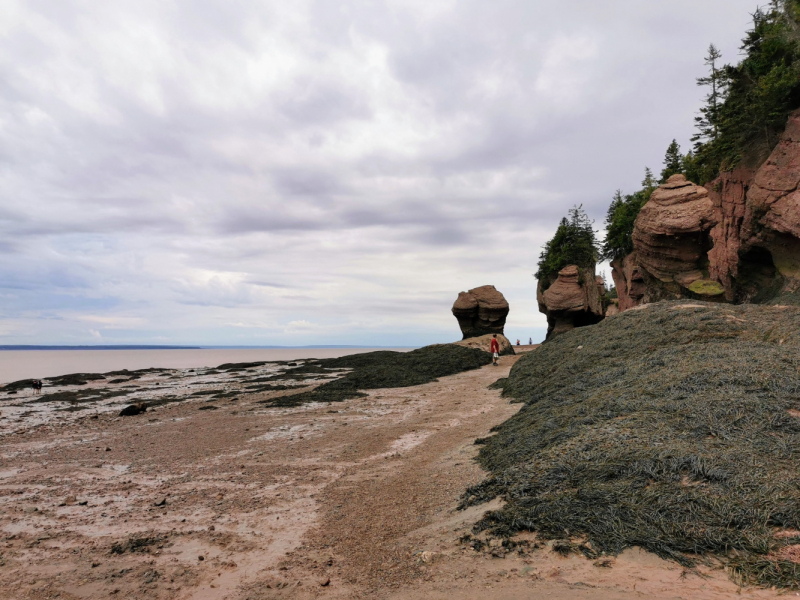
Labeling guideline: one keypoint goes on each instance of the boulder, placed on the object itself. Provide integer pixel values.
(480, 311)
(572, 300)
(484, 343)
(133, 409)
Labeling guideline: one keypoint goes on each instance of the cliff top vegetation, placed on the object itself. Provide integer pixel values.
(744, 113)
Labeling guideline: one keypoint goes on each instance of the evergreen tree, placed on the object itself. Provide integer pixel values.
(649, 182)
(673, 161)
(754, 97)
(707, 122)
(621, 217)
(574, 243)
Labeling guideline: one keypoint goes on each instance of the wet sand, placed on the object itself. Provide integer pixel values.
(348, 500)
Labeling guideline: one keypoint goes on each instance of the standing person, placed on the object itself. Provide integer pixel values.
(530, 341)
(494, 348)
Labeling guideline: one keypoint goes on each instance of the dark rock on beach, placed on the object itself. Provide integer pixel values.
(480, 311)
(133, 409)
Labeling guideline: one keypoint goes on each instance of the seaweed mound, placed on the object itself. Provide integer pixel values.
(385, 369)
(675, 427)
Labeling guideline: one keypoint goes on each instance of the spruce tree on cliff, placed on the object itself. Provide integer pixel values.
(673, 162)
(621, 216)
(574, 243)
(748, 104)
(707, 122)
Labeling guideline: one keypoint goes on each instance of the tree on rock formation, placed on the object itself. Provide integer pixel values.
(574, 243)
(621, 216)
(673, 162)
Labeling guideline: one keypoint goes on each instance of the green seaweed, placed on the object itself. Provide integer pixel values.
(672, 428)
(383, 369)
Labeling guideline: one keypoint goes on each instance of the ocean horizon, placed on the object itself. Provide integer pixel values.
(53, 361)
(181, 347)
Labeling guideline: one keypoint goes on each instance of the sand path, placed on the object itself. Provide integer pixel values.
(347, 500)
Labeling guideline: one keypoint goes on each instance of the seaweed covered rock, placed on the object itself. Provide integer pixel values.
(133, 409)
(484, 343)
(572, 300)
(383, 369)
(675, 427)
(480, 311)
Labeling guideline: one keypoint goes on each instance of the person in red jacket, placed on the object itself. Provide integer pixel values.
(494, 348)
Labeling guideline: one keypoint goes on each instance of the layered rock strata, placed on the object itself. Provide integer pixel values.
(737, 239)
(481, 311)
(574, 299)
(672, 239)
(756, 254)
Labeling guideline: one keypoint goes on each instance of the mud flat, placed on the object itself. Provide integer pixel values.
(242, 498)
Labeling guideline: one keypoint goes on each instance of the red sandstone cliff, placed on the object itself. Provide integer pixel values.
(737, 238)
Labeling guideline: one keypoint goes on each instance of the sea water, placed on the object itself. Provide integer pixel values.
(38, 364)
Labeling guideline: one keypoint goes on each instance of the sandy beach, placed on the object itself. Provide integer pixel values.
(229, 499)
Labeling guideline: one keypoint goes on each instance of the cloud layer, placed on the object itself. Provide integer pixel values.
(243, 172)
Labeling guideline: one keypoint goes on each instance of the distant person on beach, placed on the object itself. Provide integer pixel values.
(37, 386)
(530, 341)
(494, 348)
(517, 341)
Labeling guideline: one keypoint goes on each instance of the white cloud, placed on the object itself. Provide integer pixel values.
(313, 171)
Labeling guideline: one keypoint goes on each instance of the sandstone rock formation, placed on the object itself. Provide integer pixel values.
(628, 281)
(756, 254)
(484, 343)
(736, 239)
(574, 299)
(672, 239)
(480, 311)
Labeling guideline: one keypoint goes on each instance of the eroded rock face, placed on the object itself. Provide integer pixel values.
(629, 282)
(736, 239)
(672, 238)
(756, 254)
(480, 311)
(574, 299)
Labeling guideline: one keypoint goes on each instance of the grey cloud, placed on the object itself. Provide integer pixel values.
(190, 164)
(310, 103)
(304, 182)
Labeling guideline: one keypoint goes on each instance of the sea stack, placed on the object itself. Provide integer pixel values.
(481, 311)
(573, 300)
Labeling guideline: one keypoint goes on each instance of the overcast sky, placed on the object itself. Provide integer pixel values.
(241, 172)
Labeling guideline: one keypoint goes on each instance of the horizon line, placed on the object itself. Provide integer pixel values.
(9, 347)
